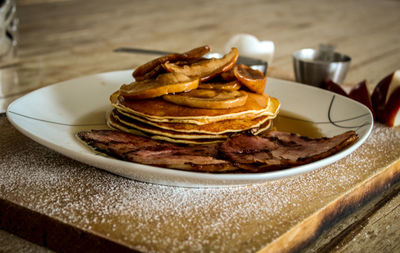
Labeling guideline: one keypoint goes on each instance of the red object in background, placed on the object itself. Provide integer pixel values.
(386, 99)
(384, 103)
(359, 92)
(334, 87)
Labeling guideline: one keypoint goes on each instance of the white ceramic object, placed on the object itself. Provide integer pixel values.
(249, 45)
(54, 114)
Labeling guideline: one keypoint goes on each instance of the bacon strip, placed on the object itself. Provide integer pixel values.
(157, 153)
(277, 150)
(273, 150)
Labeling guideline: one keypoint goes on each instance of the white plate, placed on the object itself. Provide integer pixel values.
(52, 115)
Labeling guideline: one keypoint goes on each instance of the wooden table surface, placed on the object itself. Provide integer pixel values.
(61, 40)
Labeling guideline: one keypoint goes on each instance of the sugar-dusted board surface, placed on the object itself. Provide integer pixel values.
(147, 217)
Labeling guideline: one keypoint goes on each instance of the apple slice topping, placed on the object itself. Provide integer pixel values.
(164, 84)
(152, 68)
(251, 78)
(205, 69)
(234, 85)
(209, 99)
(228, 75)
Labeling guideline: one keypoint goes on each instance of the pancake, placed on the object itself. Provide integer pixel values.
(119, 119)
(202, 117)
(117, 126)
(220, 127)
(171, 136)
(158, 110)
(186, 141)
(264, 127)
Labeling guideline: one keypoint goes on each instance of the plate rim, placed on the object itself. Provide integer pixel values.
(94, 158)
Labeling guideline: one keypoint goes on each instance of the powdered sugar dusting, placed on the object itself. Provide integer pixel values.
(159, 218)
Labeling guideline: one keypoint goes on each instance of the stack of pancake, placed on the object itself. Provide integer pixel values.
(150, 113)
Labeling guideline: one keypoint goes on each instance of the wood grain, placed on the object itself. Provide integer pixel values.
(299, 236)
(343, 235)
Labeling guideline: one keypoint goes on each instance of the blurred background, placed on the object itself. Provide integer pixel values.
(62, 39)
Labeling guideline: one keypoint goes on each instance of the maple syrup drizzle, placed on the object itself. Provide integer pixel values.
(294, 123)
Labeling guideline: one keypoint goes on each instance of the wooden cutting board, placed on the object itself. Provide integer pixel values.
(69, 206)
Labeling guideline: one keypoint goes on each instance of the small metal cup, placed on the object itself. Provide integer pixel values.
(314, 67)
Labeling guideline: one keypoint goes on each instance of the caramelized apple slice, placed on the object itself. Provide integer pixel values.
(209, 99)
(152, 68)
(251, 78)
(228, 75)
(164, 84)
(205, 69)
(234, 85)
